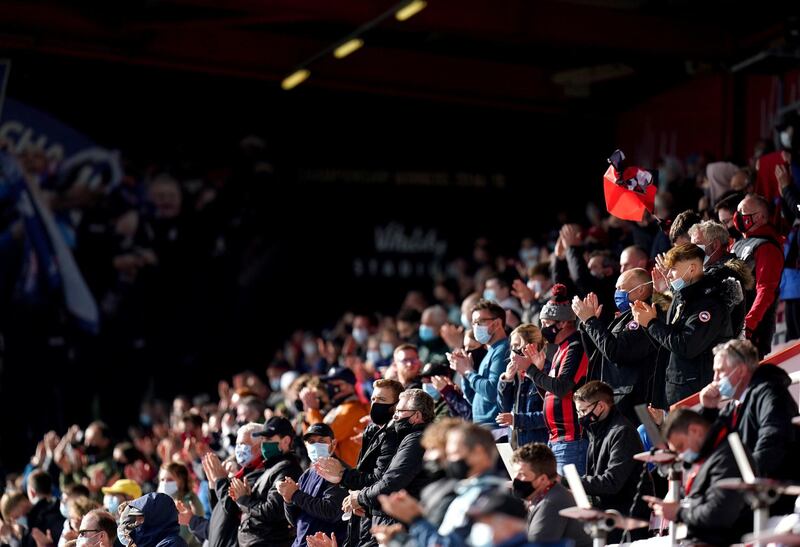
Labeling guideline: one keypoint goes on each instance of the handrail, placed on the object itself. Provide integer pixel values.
(773, 358)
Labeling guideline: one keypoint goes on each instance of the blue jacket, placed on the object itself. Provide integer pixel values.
(316, 507)
(529, 423)
(481, 387)
(160, 527)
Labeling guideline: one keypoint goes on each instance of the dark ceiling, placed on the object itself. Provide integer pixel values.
(537, 55)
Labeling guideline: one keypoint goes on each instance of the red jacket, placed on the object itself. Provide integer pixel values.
(767, 272)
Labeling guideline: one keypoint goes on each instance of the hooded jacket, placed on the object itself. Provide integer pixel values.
(160, 527)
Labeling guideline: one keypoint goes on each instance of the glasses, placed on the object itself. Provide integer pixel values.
(406, 410)
(84, 533)
(483, 320)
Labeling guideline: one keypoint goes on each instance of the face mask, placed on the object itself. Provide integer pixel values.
(743, 223)
(726, 388)
(465, 322)
(381, 413)
(333, 392)
(481, 535)
(489, 294)
(522, 489)
(535, 286)
(550, 333)
(169, 488)
(86, 542)
(679, 283)
(373, 356)
(298, 405)
(786, 139)
(23, 521)
(432, 391)
(317, 451)
(458, 470)
(403, 426)
(269, 450)
(244, 453)
(275, 384)
(529, 256)
(145, 420)
(621, 300)
(706, 257)
(64, 510)
(689, 455)
(111, 503)
(426, 333)
(433, 468)
(387, 349)
(309, 349)
(590, 418)
(481, 333)
(360, 336)
(122, 537)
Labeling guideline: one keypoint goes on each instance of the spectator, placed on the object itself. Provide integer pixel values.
(45, 514)
(480, 385)
(633, 257)
(150, 521)
(175, 482)
(498, 291)
(762, 251)
(408, 366)
(98, 528)
(432, 347)
(790, 283)
(121, 491)
(537, 481)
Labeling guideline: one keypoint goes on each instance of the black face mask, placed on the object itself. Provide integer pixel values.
(477, 356)
(458, 470)
(403, 426)
(91, 450)
(333, 391)
(433, 469)
(550, 333)
(589, 419)
(298, 405)
(381, 413)
(522, 489)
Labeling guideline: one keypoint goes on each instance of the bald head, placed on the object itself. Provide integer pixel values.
(637, 283)
(633, 257)
(756, 208)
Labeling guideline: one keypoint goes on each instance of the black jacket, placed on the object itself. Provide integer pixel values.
(698, 319)
(713, 515)
(718, 272)
(264, 520)
(624, 357)
(378, 446)
(763, 419)
(222, 529)
(612, 475)
(405, 472)
(46, 515)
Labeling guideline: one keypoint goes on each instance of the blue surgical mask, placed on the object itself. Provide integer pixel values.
(169, 488)
(23, 521)
(679, 283)
(317, 451)
(489, 294)
(373, 355)
(689, 455)
(111, 503)
(726, 388)
(426, 333)
(244, 453)
(465, 322)
(122, 537)
(621, 300)
(432, 391)
(481, 333)
(387, 349)
(360, 336)
(62, 507)
(481, 535)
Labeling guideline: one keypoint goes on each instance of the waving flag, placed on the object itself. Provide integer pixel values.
(49, 266)
(629, 191)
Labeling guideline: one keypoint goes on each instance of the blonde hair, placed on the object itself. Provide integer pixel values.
(530, 334)
(9, 502)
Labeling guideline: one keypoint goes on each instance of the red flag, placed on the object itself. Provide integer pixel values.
(629, 195)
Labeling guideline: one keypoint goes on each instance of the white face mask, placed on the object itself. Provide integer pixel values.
(481, 535)
(786, 139)
(317, 451)
(169, 488)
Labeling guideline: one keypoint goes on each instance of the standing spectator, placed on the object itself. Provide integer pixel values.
(175, 482)
(762, 251)
(45, 514)
(790, 283)
(567, 372)
(480, 386)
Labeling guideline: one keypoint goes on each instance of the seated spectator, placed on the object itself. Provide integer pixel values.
(118, 493)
